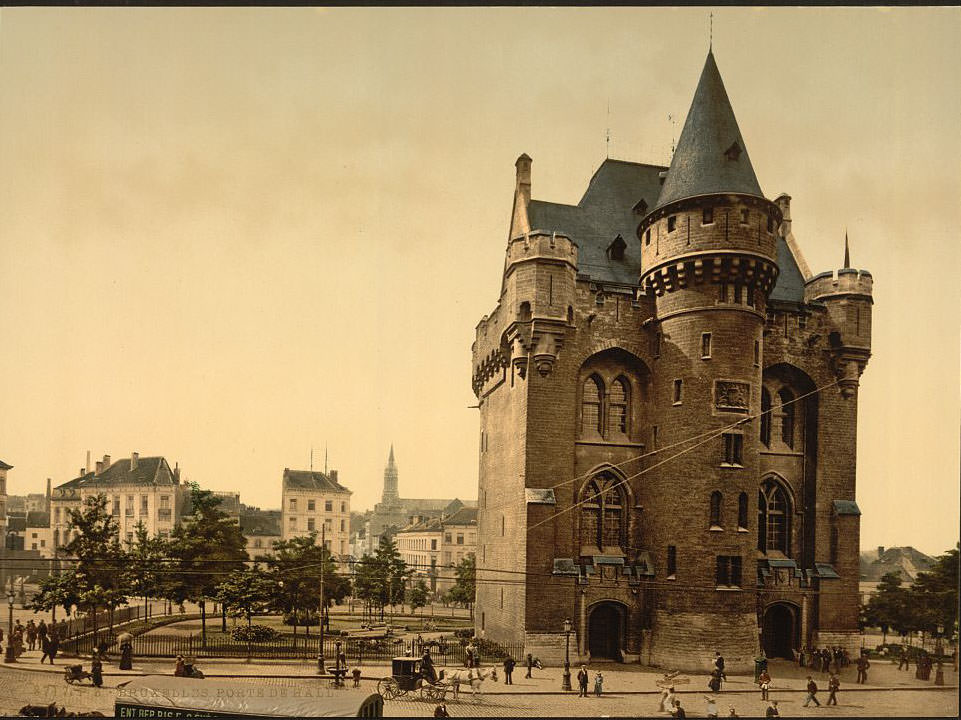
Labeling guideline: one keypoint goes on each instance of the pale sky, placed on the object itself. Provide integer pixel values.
(228, 235)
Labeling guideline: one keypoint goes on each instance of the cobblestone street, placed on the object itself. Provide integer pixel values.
(19, 687)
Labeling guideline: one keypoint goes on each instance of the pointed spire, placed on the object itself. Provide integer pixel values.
(390, 459)
(847, 250)
(711, 155)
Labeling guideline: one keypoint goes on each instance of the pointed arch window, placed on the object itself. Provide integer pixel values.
(591, 405)
(773, 518)
(765, 417)
(617, 406)
(603, 513)
(787, 417)
(716, 509)
(742, 511)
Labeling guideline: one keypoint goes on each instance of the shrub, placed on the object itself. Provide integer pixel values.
(466, 633)
(254, 634)
(302, 618)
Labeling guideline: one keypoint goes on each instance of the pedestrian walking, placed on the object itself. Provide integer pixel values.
(582, 680)
(715, 682)
(31, 635)
(41, 632)
(180, 667)
(441, 711)
(508, 670)
(678, 711)
(469, 656)
(529, 661)
(863, 666)
(355, 674)
(598, 684)
(772, 710)
(764, 681)
(50, 646)
(825, 660)
(833, 685)
(711, 706)
(96, 669)
(812, 689)
(719, 664)
(903, 661)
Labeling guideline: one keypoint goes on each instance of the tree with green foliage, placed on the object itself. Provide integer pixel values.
(206, 547)
(418, 595)
(933, 598)
(98, 576)
(465, 587)
(887, 608)
(56, 590)
(145, 564)
(380, 579)
(296, 566)
(245, 593)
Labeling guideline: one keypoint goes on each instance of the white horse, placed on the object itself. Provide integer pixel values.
(469, 676)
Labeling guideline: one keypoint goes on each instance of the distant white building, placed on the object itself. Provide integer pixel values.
(138, 490)
(433, 547)
(314, 502)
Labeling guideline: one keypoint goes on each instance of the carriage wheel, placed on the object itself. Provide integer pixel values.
(432, 693)
(388, 688)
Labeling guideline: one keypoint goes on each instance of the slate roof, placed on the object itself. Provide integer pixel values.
(846, 507)
(4, 466)
(789, 286)
(711, 156)
(38, 518)
(605, 211)
(311, 480)
(265, 522)
(464, 516)
(149, 471)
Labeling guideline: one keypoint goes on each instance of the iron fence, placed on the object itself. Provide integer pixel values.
(289, 647)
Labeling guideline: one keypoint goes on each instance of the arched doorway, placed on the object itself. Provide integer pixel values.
(605, 632)
(780, 631)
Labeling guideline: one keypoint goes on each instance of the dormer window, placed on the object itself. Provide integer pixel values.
(615, 251)
(647, 237)
(641, 207)
(733, 152)
(671, 223)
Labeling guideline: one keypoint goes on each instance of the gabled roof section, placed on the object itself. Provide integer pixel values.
(711, 155)
(606, 210)
(4, 466)
(149, 471)
(464, 516)
(310, 480)
(789, 286)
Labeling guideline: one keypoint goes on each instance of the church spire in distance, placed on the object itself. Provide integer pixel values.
(847, 250)
(390, 493)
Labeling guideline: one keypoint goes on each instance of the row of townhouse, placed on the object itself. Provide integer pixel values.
(433, 547)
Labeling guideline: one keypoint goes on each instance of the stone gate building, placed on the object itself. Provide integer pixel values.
(668, 412)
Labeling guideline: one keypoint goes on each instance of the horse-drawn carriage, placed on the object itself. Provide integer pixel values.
(407, 675)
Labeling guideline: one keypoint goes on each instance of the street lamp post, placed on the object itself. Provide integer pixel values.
(567, 655)
(939, 673)
(9, 656)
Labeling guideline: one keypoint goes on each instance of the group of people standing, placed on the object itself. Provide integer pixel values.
(583, 679)
(824, 660)
(29, 636)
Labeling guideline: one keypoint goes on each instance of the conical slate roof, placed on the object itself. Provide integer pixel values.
(711, 156)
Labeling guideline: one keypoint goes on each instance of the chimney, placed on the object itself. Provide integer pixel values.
(880, 551)
(333, 475)
(106, 462)
(176, 472)
(134, 457)
(783, 201)
(99, 466)
(83, 471)
(48, 489)
(87, 466)
(520, 223)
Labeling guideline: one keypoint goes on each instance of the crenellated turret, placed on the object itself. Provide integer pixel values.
(848, 297)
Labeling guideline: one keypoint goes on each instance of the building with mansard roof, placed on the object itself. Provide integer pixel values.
(668, 412)
(315, 502)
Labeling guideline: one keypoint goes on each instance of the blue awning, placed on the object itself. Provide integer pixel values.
(846, 507)
(565, 566)
(781, 563)
(608, 560)
(823, 570)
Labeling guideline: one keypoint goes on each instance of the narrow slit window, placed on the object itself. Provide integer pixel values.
(672, 223)
(705, 346)
(678, 391)
(745, 216)
(671, 560)
(716, 509)
(707, 216)
(733, 448)
(757, 353)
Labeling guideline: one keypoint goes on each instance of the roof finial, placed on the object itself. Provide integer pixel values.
(847, 250)
(608, 128)
(710, 37)
(325, 458)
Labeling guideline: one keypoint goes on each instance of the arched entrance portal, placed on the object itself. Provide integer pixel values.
(605, 632)
(780, 633)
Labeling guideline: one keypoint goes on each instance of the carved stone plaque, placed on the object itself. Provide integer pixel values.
(731, 396)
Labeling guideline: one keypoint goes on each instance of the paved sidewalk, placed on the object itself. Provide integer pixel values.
(619, 679)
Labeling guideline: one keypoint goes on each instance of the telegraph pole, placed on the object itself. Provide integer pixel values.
(323, 553)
